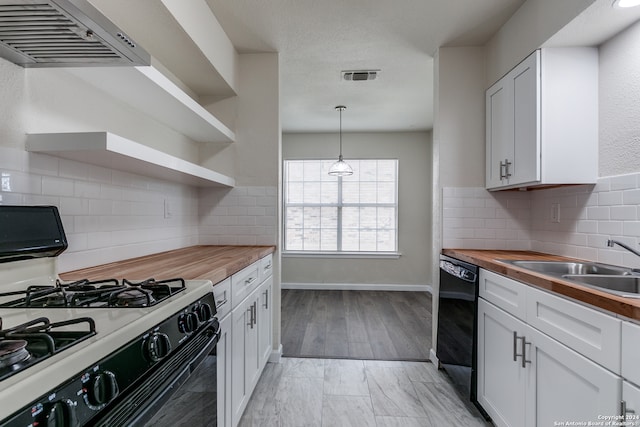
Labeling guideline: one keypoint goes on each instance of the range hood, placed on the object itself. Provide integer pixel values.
(63, 33)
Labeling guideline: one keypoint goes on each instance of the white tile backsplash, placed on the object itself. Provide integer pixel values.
(238, 216)
(589, 216)
(476, 218)
(109, 215)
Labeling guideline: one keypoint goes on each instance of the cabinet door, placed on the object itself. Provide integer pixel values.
(525, 163)
(223, 352)
(499, 132)
(265, 325)
(631, 399)
(566, 385)
(501, 379)
(243, 350)
(252, 357)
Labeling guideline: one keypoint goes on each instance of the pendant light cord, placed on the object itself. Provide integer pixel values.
(340, 158)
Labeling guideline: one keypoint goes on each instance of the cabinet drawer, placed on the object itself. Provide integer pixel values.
(505, 293)
(630, 349)
(244, 282)
(222, 295)
(591, 333)
(266, 267)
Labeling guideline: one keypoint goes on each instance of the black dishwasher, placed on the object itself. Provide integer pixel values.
(457, 320)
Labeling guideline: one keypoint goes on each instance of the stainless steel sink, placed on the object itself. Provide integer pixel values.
(561, 268)
(627, 286)
(608, 278)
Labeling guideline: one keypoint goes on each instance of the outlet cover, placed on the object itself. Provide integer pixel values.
(555, 212)
(167, 209)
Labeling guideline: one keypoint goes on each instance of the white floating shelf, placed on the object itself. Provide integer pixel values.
(113, 151)
(150, 91)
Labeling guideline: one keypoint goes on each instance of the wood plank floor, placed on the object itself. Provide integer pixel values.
(373, 325)
(363, 393)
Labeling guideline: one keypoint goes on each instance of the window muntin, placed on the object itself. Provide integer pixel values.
(357, 213)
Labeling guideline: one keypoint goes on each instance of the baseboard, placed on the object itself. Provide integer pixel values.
(276, 355)
(358, 287)
(434, 358)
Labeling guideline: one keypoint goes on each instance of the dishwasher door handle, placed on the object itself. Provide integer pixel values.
(458, 271)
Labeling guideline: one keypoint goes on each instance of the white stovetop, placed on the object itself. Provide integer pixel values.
(129, 323)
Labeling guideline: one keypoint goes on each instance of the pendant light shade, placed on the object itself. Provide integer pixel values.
(340, 168)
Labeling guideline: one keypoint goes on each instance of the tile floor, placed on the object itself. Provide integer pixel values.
(358, 393)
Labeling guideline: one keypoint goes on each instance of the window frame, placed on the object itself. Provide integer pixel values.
(339, 205)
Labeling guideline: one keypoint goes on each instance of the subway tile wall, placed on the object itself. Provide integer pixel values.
(589, 216)
(108, 215)
(474, 218)
(238, 216)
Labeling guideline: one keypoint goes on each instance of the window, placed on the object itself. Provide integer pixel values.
(357, 213)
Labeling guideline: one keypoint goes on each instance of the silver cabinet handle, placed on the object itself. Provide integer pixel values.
(255, 312)
(220, 303)
(251, 316)
(504, 169)
(267, 267)
(250, 280)
(266, 299)
(523, 349)
(624, 410)
(524, 352)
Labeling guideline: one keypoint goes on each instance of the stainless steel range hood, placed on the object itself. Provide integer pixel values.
(63, 33)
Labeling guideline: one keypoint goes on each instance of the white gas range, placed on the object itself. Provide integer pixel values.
(83, 353)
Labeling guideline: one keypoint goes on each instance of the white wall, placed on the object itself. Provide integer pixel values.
(620, 103)
(532, 25)
(412, 149)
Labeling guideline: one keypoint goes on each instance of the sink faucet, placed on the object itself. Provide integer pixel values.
(610, 243)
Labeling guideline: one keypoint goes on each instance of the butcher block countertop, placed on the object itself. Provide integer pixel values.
(214, 263)
(488, 259)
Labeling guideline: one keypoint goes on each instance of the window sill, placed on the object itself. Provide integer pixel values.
(361, 255)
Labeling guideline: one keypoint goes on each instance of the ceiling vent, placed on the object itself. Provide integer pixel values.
(360, 75)
(63, 33)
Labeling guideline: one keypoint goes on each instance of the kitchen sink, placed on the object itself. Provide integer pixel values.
(627, 286)
(562, 268)
(608, 278)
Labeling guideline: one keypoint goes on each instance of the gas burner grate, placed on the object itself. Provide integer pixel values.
(108, 293)
(29, 343)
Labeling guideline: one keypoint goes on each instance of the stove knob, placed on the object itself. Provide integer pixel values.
(101, 389)
(61, 414)
(204, 312)
(188, 322)
(157, 346)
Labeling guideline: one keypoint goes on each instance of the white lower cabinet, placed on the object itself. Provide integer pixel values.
(223, 353)
(251, 343)
(566, 386)
(526, 378)
(244, 350)
(501, 379)
(265, 322)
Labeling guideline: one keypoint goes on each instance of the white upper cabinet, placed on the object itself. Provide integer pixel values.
(542, 121)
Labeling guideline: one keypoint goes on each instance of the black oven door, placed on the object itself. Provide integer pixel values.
(180, 391)
(193, 403)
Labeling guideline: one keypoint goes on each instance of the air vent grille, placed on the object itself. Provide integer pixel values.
(359, 75)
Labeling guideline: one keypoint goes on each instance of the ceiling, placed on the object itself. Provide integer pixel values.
(316, 40)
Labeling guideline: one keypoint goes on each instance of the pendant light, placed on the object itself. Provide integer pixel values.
(340, 168)
(626, 3)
